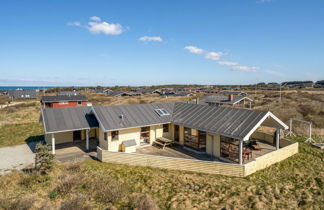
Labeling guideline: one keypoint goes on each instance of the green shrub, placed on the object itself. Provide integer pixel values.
(44, 159)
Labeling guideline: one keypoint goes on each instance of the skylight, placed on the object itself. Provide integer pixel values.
(162, 112)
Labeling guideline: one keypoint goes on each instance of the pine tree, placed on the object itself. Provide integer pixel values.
(44, 159)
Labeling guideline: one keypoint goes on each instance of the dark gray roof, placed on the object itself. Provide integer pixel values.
(22, 94)
(68, 93)
(66, 119)
(225, 121)
(63, 98)
(129, 143)
(221, 99)
(135, 115)
(114, 93)
(231, 122)
(233, 93)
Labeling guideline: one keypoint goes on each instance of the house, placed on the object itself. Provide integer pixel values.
(220, 132)
(144, 91)
(235, 93)
(114, 93)
(133, 93)
(61, 101)
(319, 84)
(226, 100)
(68, 93)
(298, 84)
(183, 94)
(22, 94)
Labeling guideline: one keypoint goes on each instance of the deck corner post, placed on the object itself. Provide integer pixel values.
(87, 139)
(241, 152)
(53, 143)
(277, 139)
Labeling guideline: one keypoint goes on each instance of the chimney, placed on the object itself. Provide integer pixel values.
(121, 116)
(197, 100)
(230, 97)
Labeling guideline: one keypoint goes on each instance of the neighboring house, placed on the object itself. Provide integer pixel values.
(225, 100)
(114, 93)
(120, 93)
(132, 94)
(68, 93)
(61, 101)
(240, 93)
(174, 93)
(298, 84)
(22, 94)
(219, 100)
(3, 92)
(183, 94)
(198, 128)
(319, 84)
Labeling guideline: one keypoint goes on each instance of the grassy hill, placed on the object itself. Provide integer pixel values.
(295, 183)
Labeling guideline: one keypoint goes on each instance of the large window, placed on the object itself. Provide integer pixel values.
(165, 128)
(190, 140)
(114, 135)
(229, 148)
(202, 140)
(145, 132)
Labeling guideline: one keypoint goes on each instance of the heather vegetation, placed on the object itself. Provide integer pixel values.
(297, 182)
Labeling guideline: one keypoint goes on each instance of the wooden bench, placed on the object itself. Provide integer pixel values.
(163, 142)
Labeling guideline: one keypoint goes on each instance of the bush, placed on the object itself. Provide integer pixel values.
(24, 203)
(78, 202)
(106, 189)
(306, 109)
(111, 192)
(67, 183)
(44, 159)
(143, 202)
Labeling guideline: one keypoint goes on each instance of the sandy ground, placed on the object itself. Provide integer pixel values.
(16, 157)
(11, 104)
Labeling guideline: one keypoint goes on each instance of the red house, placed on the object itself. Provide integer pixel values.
(61, 101)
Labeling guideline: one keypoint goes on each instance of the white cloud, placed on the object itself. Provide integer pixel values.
(215, 56)
(96, 26)
(245, 68)
(75, 23)
(95, 18)
(150, 39)
(194, 49)
(227, 63)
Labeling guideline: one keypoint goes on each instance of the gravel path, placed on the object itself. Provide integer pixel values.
(16, 157)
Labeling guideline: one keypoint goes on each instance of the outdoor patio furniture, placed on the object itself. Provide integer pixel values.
(254, 145)
(247, 153)
(163, 142)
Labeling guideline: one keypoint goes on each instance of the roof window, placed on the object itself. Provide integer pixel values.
(162, 112)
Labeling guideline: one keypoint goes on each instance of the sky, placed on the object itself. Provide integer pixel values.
(130, 42)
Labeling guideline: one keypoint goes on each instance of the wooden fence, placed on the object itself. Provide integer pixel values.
(271, 158)
(210, 167)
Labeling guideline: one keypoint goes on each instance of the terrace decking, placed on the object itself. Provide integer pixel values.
(180, 152)
(174, 151)
(175, 159)
(265, 148)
